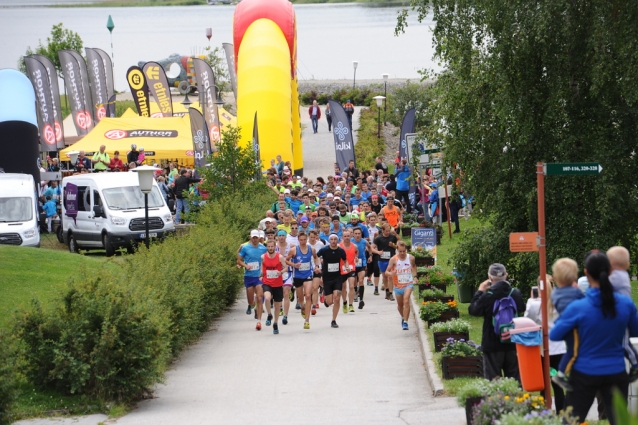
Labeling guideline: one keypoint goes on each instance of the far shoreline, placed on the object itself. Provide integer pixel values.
(157, 3)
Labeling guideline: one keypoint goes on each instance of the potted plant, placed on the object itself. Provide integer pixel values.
(406, 228)
(436, 311)
(464, 289)
(456, 329)
(422, 257)
(437, 278)
(461, 358)
(497, 405)
(435, 294)
(423, 270)
(472, 393)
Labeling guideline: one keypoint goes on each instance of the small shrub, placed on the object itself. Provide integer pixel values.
(452, 326)
(460, 348)
(7, 379)
(483, 387)
(432, 293)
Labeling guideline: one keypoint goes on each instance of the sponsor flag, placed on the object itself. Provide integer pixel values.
(84, 78)
(82, 118)
(97, 77)
(110, 107)
(55, 99)
(256, 149)
(407, 126)
(201, 142)
(71, 201)
(108, 71)
(40, 79)
(158, 85)
(206, 87)
(230, 59)
(344, 144)
(139, 89)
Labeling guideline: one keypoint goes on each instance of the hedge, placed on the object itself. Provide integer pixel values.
(7, 379)
(111, 333)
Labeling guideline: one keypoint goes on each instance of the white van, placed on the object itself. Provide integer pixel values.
(18, 210)
(110, 213)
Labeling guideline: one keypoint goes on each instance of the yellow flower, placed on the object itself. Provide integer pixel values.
(506, 397)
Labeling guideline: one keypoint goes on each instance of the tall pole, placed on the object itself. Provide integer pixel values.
(379, 123)
(146, 218)
(542, 260)
(110, 26)
(385, 101)
(447, 206)
(354, 79)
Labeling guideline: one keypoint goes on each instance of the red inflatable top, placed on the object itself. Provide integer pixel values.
(278, 11)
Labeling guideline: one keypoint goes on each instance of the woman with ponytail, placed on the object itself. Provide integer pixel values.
(598, 323)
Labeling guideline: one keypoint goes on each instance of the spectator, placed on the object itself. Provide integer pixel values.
(352, 170)
(82, 163)
(53, 165)
(280, 166)
(329, 116)
(141, 157)
(101, 160)
(132, 155)
(315, 115)
(116, 163)
(403, 176)
(349, 110)
(53, 191)
(161, 183)
(50, 210)
(181, 192)
(498, 358)
(380, 165)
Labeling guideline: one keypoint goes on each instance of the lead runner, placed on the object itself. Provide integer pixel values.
(402, 268)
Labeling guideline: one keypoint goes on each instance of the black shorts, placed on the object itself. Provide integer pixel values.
(348, 276)
(373, 267)
(332, 285)
(298, 282)
(360, 269)
(316, 275)
(277, 292)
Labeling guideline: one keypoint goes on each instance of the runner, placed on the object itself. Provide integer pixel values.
(273, 266)
(331, 256)
(402, 268)
(348, 271)
(373, 260)
(385, 245)
(249, 257)
(303, 257)
(363, 248)
(353, 224)
(392, 213)
(284, 248)
(317, 284)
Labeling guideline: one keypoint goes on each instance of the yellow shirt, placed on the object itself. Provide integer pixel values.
(283, 227)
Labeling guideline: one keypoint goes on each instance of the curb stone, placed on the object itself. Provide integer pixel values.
(430, 367)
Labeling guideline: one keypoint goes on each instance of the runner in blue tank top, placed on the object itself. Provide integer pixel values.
(303, 258)
(249, 257)
(363, 247)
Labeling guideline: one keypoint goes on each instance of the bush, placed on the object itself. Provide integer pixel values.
(368, 146)
(7, 379)
(358, 96)
(112, 332)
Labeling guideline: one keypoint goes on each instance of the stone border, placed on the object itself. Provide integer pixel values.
(430, 367)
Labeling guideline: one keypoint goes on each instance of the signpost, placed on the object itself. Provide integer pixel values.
(556, 169)
(524, 242)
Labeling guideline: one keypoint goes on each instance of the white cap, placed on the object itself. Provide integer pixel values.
(311, 191)
(330, 195)
(254, 233)
(297, 177)
(337, 199)
(262, 234)
(287, 191)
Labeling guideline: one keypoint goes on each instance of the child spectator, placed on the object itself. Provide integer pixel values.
(141, 156)
(621, 282)
(565, 274)
(50, 209)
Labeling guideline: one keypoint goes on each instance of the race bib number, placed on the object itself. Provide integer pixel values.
(333, 267)
(359, 262)
(304, 267)
(272, 274)
(253, 266)
(385, 255)
(405, 277)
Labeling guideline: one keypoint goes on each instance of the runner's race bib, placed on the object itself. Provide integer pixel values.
(404, 277)
(385, 255)
(333, 267)
(272, 274)
(304, 267)
(359, 262)
(253, 266)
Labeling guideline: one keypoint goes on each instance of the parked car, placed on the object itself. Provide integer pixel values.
(18, 210)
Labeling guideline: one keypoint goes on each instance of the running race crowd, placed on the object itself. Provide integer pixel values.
(325, 241)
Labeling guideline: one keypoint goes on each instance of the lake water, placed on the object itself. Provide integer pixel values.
(330, 36)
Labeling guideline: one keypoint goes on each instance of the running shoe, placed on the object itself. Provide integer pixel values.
(269, 320)
(387, 295)
(313, 311)
(285, 320)
(391, 297)
(275, 329)
(383, 286)
(316, 306)
(281, 311)
(361, 304)
(345, 308)
(248, 310)
(404, 325)
(258, 327)
(351, 308)
(322, 298)
(256, 314)
(562, 380)
(292, 295)
(303, 313)
(297, 307)
(369, 283)
(376, 291)
(334, 324)
(306, 325)
(356, 298)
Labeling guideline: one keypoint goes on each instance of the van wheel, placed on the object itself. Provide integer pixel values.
(106, 241)
(60, 234)
(73, 245)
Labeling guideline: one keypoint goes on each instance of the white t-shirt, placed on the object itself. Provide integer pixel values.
(533, 311)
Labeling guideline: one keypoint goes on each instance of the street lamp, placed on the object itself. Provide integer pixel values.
(385, 93)
(73, 156)
(354, 80)
(379, 100)
(145, 176)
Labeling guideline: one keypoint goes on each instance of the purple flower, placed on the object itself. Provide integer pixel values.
(461, 340)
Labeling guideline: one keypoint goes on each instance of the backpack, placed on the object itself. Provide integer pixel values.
(504, 311)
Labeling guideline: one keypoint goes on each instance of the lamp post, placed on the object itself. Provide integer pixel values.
(145, 176)
(385, 94)
(354, 80)
(73, 156)
(379, 100)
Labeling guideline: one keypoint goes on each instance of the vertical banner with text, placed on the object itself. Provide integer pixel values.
(344, 144)
(55, 99)
(407, 126)
(39, 77)
(97, 77)
(230, 59)
(139, 90)
(84, 79)
(108, 71)
(206, 87)
(201, 142)
(158, 85)
(258, 164)
(82, 118)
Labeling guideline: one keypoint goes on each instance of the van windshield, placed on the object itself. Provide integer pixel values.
(131, 197)
(15, 210)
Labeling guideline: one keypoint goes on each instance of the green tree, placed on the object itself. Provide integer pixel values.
(230, 168)
(60, 39)
(550, 81)
(216, 58)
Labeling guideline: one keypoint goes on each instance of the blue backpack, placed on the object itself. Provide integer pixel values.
(504, 311)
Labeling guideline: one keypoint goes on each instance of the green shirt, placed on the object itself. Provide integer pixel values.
(99, 165)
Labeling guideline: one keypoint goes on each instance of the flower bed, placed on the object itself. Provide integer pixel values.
(436, 311)
(461, 358)
(455, 329)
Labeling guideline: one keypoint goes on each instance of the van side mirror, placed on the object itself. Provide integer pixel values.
(98, 211)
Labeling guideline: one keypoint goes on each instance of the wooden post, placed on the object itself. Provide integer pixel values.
(542, 260)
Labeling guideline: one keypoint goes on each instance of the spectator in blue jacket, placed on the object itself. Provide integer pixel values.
(599, 322)
(403, 184)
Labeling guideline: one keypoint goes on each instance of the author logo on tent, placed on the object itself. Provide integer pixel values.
(121, 134)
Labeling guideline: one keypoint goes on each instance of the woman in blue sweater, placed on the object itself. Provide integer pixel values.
(598, 322)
